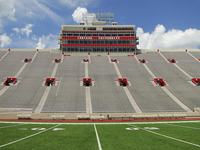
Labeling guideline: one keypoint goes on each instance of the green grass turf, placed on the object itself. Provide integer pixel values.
(116, 137)
(14, 133)
(6, 124)
(74, 137)
(187, 134)
(195, 125)
(112, 137)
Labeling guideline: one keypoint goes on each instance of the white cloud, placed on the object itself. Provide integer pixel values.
(33, 41)
(4, 40)
(39, 8)
(27, 30)
(78, 14)
(40, 44)
(169, 39)
(75, 3)
(7, 12)
(81, 14)
(49, 41)
(13, 10)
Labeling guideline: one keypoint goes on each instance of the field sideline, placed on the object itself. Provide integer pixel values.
(179, 135)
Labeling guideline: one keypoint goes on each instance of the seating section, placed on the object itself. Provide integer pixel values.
(111, 82)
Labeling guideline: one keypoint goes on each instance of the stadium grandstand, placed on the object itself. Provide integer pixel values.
(100, 35)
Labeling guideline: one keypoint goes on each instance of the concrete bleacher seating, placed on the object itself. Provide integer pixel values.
(106, 97)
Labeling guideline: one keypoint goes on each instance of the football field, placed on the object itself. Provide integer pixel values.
(100, 136)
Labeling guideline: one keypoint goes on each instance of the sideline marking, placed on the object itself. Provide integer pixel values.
(128, 93)
(183, 126)
(169, 137)
(43, 99)
(15, 109)
(27, 137)
(4, 56)
(97, 136)
(166, 90)
(103, 123)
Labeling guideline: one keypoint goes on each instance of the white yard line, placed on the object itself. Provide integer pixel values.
(178, 67)
(87, 90)
(169, 137)
(165, 89)
(193, 56)
(97, 136)
(128, 93)
(44, 97)
(170, 124)
(5, 88)
(4, 56)
(27, 137)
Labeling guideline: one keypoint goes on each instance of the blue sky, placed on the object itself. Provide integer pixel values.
(179, 14)
(36, 23)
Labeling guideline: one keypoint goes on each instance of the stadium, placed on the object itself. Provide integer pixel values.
(99, 91)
